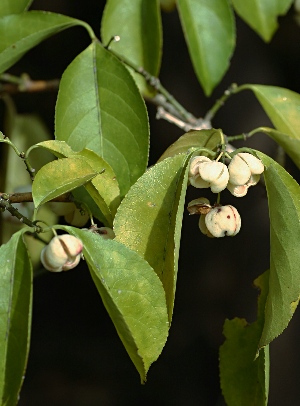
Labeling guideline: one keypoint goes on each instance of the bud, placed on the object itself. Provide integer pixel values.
(222, 221)
(62, 253)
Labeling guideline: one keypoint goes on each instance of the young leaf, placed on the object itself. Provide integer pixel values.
(149, 218)
(13, 7)
(15, 308)
(21, 32)
(245, 377)
(282, 107)
(138, 23)
(194, 139)
(100, 108)
(61, 176)
(209, 30)
(289, 144)
(284, 282)
(132, 294)
(261, 15)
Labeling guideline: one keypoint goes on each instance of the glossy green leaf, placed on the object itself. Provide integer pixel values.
(245, 377)
(13, 6)
(21, 32)
(207, 139)
(209, 30)
(15, 308)
(149, 219)
(288, 143)
(132, 294)
(99, 107)
(284, 282)
(61, 176)
(282, 107)
(261, 15)
(138, 24)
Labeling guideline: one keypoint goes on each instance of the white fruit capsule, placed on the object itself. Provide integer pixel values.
(216, 174)
(194, 164)
(237, 190)
(255, 164)
(62, 253)
(239, 171)
(222, 221)
(202, 226)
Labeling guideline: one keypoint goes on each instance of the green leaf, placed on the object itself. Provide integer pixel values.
(106, 183)
(245, 377)
(282, 107)
(261, 15)
(60, 149)
(149, 219)
(132, 295)
(138, 23)
(59, 177)
(207, 139)
(289, 144)
(284, 282)
(21, 32)
(15, 308)
(100, 108)
(13, 6)
(103, 188)
(209, 30)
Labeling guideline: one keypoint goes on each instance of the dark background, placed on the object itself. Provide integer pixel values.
(76, 357)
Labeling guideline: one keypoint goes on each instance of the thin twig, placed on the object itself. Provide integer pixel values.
(155, 83)
(26, 197)
(6, 205)
(25, 84)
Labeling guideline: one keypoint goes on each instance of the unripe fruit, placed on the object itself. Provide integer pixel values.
(222, 221)
(62, 208)
(76, 218)
(106, 233)
(62, 253)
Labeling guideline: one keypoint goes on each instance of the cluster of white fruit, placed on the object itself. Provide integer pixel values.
(65, 251)
(243, 171)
